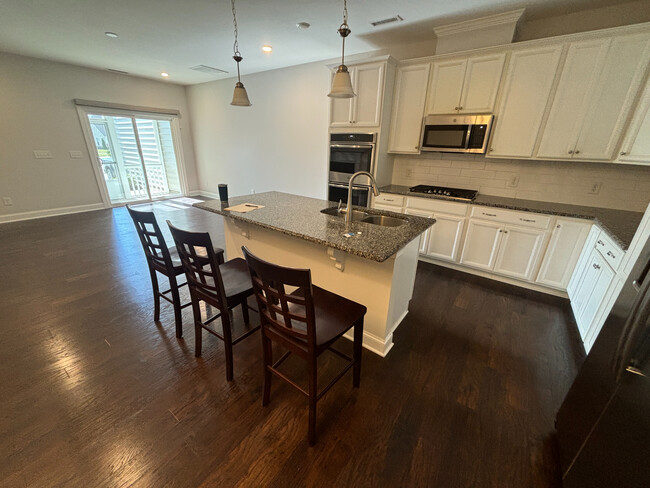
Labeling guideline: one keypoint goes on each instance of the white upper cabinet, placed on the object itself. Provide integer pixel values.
(527, 86)
(468, 85)
(364, 110)
(408, 108)
(597, 88)
(563, 252)
(636, 146)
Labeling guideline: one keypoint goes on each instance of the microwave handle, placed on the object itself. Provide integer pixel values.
(467, 137)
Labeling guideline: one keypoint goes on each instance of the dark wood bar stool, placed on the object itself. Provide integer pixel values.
(218, 284)
(163, 260)
(306, 321)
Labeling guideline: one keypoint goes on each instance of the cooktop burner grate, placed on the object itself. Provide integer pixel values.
(443, 191)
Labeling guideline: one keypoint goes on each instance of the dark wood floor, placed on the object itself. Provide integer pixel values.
(94, 393)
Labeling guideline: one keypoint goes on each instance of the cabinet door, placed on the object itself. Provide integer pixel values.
(445, 237)
(424, 237)
(481, 244)
(341, 108)
(519, 252)
(618, 85)
(481, 84)
(562, 254)
(636, 147)
(583, 64)
(408, 108)
(599, 277)
(523, 101)
(390, 208)
(446, 86)
(369, 87)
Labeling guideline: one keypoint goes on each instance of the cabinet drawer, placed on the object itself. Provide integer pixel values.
(390, 199)
(433, 205)
(610, 251)
(525, 219)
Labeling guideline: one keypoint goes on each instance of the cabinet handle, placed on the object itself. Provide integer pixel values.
(456, 108)
(601, 242)
(570, 152)
(528, 220)
(611, 254)
(489, 215)
(577, 152)
(558, 226)
(596, 266)
(623, 153)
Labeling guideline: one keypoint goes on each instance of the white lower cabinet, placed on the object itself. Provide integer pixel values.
(567, 240)
(445, 237)
(424, 237)
(519, 252)
(481, 244)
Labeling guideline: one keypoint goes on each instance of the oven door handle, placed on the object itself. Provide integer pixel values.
(352, 146)
(354, 187)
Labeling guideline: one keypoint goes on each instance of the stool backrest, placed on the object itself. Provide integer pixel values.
(290, 313)
(201, 265)
(151, 238)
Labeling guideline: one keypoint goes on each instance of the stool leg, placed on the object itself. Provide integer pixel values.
(227, 341)
(267, 354)
(357, 350)
(198, 330)
(244, 311)
(313, 392)
(156, 295)
(176, 298)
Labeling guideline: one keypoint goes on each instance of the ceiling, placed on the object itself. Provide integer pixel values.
(174, 35)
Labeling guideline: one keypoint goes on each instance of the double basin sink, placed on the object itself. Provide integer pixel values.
(367, 217)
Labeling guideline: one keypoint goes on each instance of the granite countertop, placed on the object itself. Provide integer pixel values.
(301, 217)
(620, 225)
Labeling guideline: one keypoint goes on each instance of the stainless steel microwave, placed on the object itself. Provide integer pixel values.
(456, 133)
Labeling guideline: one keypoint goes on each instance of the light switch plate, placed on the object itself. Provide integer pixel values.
(43, 154)
(595, 188)
(76, 155)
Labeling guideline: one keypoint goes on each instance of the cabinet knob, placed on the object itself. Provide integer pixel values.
(491, 149)
(456, 108)
(460, 108)
(417, 147)
(505, 231)
(570, 152)
(558, 226)
(577, 152)
(500, 230)
(623, 153)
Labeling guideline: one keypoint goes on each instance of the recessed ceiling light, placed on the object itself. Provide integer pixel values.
(164, 75)
(111, 34)
(302, 25)
(266, 48)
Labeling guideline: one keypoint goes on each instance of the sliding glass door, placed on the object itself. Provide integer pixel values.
(136, 156)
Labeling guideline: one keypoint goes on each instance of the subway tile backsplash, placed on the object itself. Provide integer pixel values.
(617, 186)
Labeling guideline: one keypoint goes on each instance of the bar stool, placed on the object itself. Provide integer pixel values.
(222, 285)
(163, 260)
(306, 321)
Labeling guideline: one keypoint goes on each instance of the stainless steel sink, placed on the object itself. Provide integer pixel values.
(368, 218)
(384, 220)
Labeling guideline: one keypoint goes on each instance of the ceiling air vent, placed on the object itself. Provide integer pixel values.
(208, 69)
(377, 23)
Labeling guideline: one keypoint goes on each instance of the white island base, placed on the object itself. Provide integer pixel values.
(384, 288)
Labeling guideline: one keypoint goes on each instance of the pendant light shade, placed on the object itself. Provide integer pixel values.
(342, 83)
(239, 96)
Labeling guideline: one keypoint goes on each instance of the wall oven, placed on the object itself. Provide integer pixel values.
(338, 192)
(349, 153)
(456, 133)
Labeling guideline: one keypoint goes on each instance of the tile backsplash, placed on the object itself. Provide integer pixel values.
(623, 187)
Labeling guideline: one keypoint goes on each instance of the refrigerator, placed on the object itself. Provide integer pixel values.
(603, 425)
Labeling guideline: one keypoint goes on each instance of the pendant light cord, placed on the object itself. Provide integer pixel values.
(235, 46)
(344, 29)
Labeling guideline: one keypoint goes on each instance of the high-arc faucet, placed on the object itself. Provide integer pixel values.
(375, 190)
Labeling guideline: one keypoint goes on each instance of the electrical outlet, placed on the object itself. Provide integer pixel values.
(43, 154)
(409, 172)
(595, 188)
(513, 182)
(7, 201)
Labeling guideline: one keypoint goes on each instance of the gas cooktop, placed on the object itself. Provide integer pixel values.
(443, 191)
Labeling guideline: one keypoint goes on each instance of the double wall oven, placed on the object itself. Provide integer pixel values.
(349, 153)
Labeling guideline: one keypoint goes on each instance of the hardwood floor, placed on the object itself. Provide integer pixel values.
(94, 393)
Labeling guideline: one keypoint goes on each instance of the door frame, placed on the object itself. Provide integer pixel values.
(83, 112)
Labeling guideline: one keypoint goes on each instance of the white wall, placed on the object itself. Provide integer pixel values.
(279, 143)
(624, 187)
(37, 112)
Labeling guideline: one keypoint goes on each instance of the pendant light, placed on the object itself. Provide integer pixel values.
(342, 84)
(239, 96)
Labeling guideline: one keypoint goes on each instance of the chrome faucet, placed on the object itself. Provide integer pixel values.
(375, 190)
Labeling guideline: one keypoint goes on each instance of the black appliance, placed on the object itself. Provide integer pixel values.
(603, 426)
(456, 133)
(443, 191)
(349, 153)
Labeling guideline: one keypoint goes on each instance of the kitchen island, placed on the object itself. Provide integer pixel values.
(371, 264)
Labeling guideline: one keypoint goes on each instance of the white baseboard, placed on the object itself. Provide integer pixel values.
(376, 344)
(51, 212)
(502, 279)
